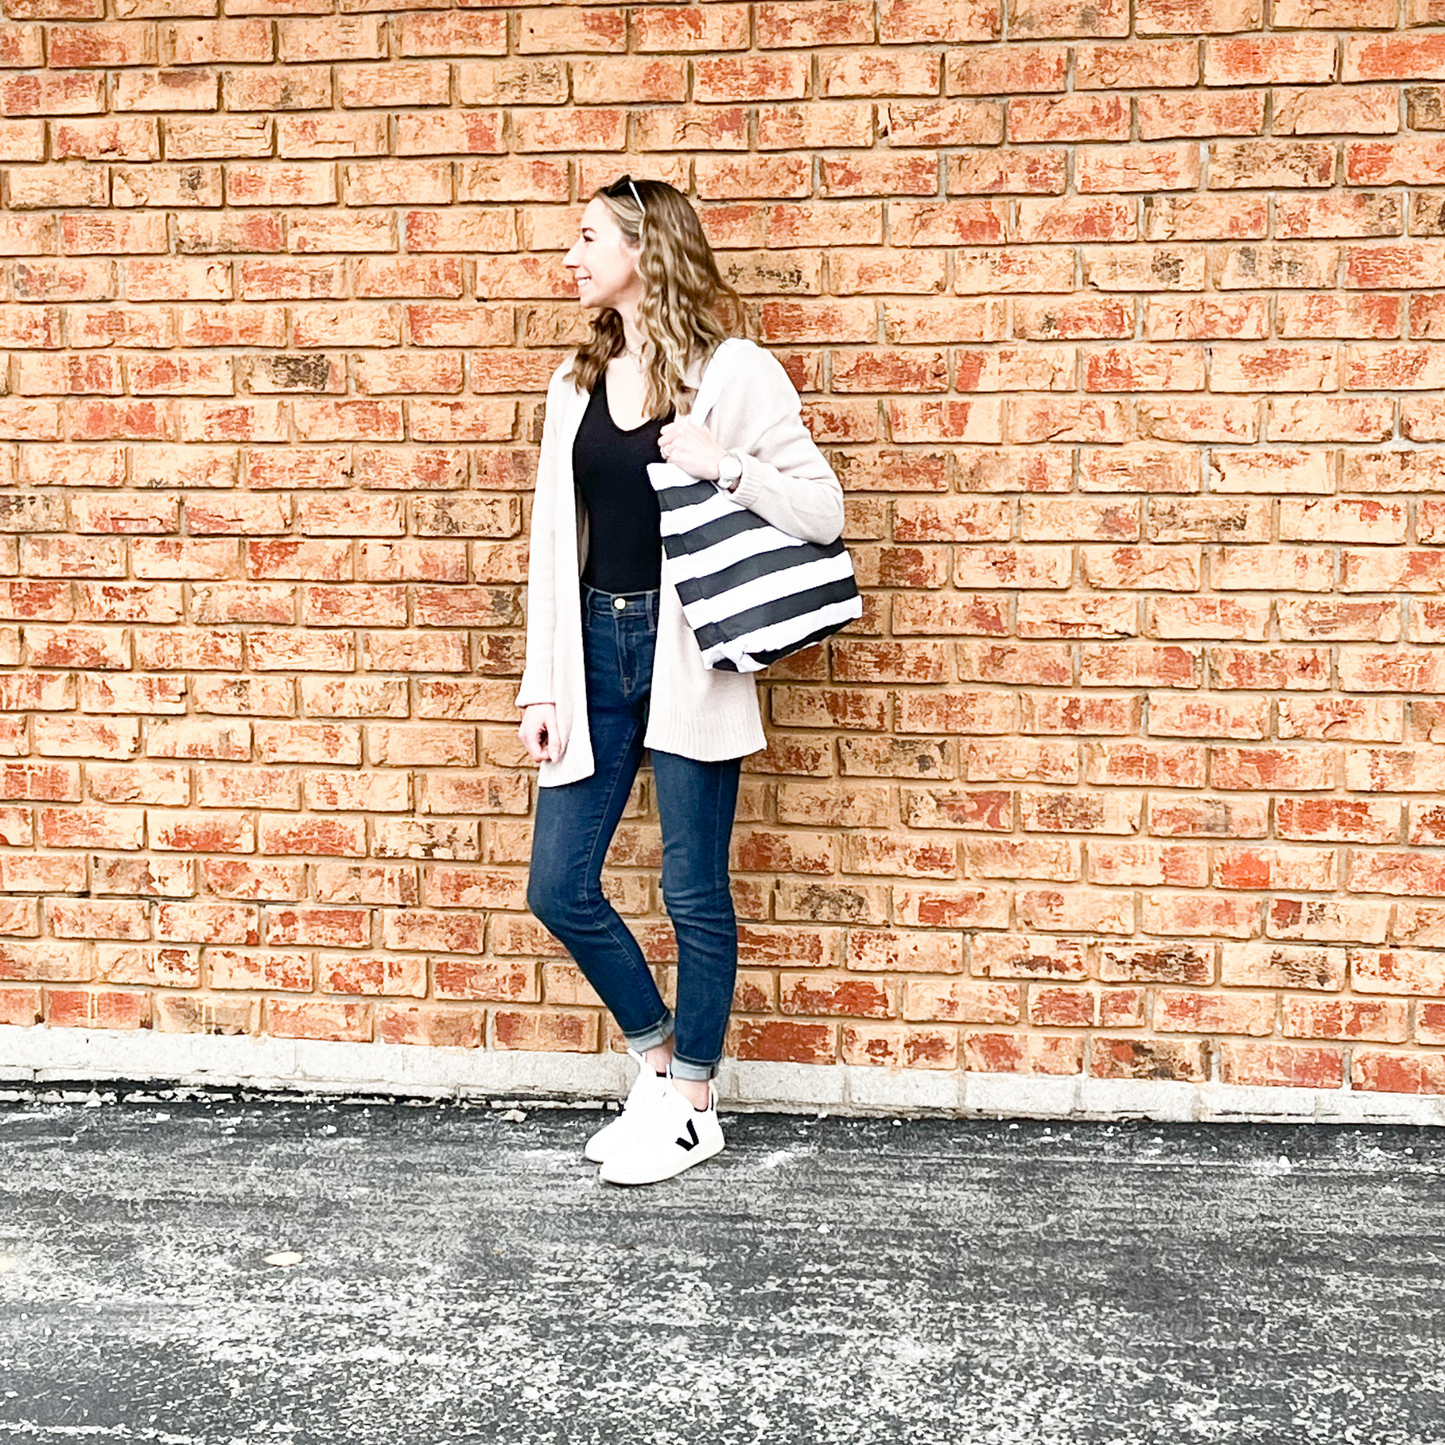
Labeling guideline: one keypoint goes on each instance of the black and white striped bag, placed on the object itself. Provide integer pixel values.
(750, 592)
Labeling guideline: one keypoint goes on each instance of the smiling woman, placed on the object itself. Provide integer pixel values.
(612, 666)
(651, 274)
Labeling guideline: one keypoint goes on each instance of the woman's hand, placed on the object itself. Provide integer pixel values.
(687, 445)
(538, 732)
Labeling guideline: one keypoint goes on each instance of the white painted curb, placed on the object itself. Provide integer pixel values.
(37, 1056)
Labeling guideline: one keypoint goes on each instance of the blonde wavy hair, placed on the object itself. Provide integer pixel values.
(683, 291)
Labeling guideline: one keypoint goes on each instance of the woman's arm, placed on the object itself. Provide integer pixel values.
(786, 480)
(536, 684)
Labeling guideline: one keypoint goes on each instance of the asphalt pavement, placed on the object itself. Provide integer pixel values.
(211, 1267)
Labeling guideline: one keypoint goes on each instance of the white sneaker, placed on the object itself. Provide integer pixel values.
(669, 1137)
(646, 1089)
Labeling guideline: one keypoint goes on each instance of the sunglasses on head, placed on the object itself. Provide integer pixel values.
(615, 189)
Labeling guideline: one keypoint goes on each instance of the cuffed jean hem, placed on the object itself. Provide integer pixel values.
(686, 1069)
(659, 1033)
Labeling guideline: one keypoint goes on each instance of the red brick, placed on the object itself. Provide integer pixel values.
(860, 73)
(118, 43)
(1280, 1065)
(912, 22)
(1206, 318)
(447, 33)
(1077, 218)
(942, 123)
(1270, 60)
(1148, 1059)
(1383, 1019)
(1271, 163)
(1373, 317)
(1030, 19)
(1381, 1070)
(1181, 1011)
(1357, 110)
(1147, 64)
(1005, 171)
(1406, 162)
(1017, 69)
(202, 42)
(961, 1000)
(1142, 168)
(1338, 14)
(1193, 114)
(803, 23)
(1394, 57)
(784, 1041)
(1197, 17)
(557, 1030)
(1070, 118)
(97, 1009)
(944, 223)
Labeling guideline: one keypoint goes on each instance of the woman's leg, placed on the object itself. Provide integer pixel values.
(574, 824)
(697, 802)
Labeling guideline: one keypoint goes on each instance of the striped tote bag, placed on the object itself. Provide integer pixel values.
(750, 592)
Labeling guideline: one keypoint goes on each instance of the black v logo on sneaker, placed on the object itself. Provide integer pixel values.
(691, 1143)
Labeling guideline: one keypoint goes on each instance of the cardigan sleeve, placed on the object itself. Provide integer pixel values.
(786, 480)
(536, 684)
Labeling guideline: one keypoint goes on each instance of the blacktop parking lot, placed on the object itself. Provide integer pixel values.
(209, 1267)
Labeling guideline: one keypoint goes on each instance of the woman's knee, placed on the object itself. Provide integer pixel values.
(553, 898)
(702, 901)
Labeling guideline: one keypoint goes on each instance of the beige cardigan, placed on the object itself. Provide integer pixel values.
(694, 710)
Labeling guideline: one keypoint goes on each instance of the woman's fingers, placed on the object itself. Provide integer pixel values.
(677, 431)
(533, 728)
(690, 447)
(682, 442)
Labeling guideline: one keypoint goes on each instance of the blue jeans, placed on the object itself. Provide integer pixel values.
(574, 825)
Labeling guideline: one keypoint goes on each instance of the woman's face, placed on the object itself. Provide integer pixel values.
(603, 265)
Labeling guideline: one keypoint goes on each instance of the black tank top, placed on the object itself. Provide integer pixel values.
(609, 466)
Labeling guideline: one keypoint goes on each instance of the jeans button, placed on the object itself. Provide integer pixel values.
(619, 603)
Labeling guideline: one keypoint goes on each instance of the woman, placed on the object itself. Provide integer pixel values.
(612, 666)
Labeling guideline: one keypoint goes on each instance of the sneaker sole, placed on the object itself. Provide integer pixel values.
(699, 1155)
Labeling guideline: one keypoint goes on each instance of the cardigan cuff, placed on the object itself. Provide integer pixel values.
(748, 488)
(534, 690)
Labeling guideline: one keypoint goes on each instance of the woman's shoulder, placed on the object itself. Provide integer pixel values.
(745, 346)
(754, 362)
(755, 376)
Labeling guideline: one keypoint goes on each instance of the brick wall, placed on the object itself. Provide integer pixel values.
(1119, 326)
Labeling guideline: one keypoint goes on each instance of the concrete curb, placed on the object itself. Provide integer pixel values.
(42, 1055)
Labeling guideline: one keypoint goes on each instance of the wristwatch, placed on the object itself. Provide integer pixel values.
(730, 471)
